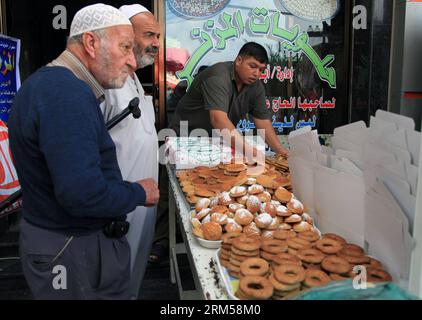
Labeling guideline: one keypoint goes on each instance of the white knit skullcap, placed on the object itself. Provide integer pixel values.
(95, 17)
(132, 10)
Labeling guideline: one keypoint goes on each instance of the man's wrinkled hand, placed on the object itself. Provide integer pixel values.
(151, 190)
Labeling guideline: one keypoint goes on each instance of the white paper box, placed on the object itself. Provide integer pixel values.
(345, 165)
(302, 173)
(342, 144)
(413, 139)
(412, 177)
(340, 199)
(386, 232)
(354, 157)
(353, 127)
(299, 132)
(309, 139)
(400, 121)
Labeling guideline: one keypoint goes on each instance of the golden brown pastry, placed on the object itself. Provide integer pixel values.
(283, 195)
(253, 204)
(212, 231)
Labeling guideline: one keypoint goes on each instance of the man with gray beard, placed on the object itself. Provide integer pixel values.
(75, 202)
(136, 139)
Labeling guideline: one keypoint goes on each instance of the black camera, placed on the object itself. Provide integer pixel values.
(116, 229)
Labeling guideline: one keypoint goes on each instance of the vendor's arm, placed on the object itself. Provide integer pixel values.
(217, 98)
(261, 116)
(270, 136)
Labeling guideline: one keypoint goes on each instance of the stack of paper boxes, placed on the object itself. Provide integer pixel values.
(364, 187)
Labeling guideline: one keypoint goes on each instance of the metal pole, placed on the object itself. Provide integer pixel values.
(3, 24)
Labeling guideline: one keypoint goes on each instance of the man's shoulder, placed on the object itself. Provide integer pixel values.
(221, 68)
(54, 76)
(55, 86)
(220, 72)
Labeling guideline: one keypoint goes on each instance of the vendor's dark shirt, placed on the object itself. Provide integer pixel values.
(215, 89)
(65, 158)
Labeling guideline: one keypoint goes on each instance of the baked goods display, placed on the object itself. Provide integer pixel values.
(239, 211)
(268, 240)
(238, 178)
(244, 206)
(292, 262)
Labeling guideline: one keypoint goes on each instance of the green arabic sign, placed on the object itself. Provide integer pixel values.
(261, 22)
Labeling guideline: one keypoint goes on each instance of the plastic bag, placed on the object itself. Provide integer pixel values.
(344, 290)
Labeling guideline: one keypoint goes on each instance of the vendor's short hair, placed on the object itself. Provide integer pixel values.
(255, 50)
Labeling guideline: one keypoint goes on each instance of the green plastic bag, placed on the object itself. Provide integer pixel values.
(343, 290)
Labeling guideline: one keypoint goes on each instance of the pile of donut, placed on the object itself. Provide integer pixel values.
(249, 209)
(292, 262)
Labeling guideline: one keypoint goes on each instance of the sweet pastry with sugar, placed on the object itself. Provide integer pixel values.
(212, 231)
(255, 189)
(213, 202)
(285, 226)
(198, 232)
(268, 208)
(224, 199)
(253, 204)
(302, 227)
(203, 213)
(243, 199)
(250, 181)
(295, 218)
(202, 204)
(233, 227)
(264, 197)
(263, 221)
(252, 230)
(274, 224)
(235, 206)
(243, 217)
(306, 217)
(238, 191)
(295, 206)
(283, 195)
(219, 218)
(196, 223)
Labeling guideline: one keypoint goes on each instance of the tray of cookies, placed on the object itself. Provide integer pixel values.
(207, 182)
(256, 268)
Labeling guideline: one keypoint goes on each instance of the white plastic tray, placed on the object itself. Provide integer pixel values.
(228, 281)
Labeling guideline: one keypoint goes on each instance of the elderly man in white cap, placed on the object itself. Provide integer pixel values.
(72, 240)
(136, 139)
